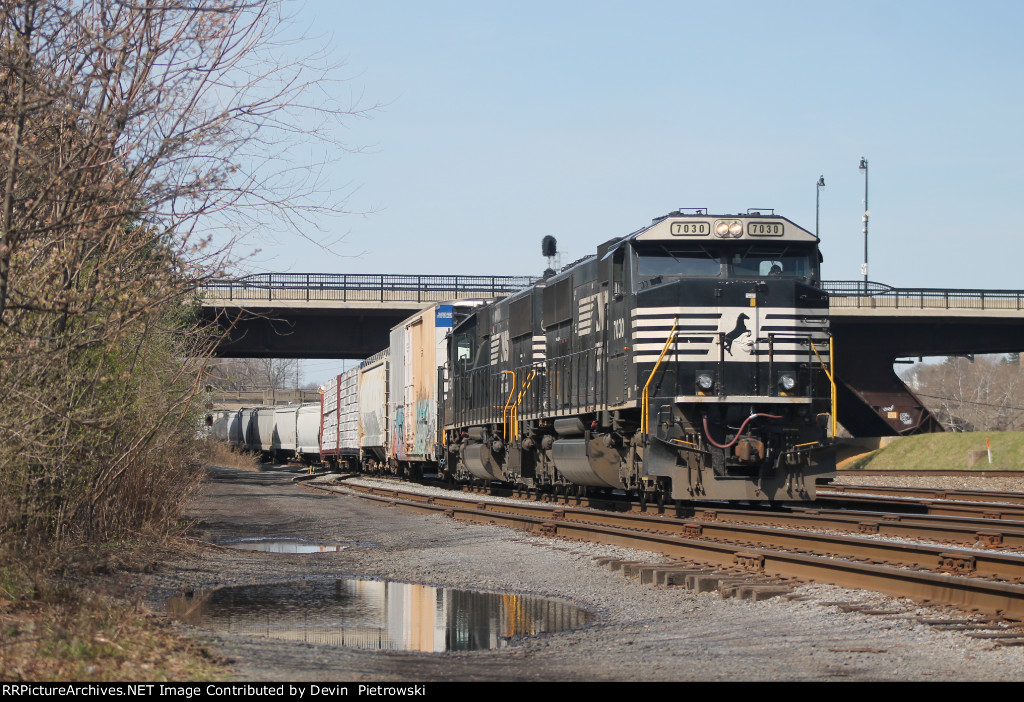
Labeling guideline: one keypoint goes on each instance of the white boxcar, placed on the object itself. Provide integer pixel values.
(418, 349)
(339, 441)
(373, 407)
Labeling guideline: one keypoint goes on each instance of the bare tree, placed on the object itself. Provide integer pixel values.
(254, 373)
(137, 140)
(983, 393)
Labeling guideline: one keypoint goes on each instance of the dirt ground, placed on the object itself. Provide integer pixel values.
(639, 632)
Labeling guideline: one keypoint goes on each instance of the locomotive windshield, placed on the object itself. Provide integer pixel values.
(760, 261)
(671, 260)
(743, 260)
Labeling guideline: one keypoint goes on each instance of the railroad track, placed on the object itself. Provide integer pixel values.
(974, 579)
(932, 502)
(924, 493)
(844, 474)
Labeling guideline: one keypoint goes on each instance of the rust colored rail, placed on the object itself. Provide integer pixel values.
(988, 496)
(952, 524)
(960, 587)
(954, 530)
(949, 508)
(853, 474)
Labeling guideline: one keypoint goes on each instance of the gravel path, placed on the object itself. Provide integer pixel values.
(640, 632)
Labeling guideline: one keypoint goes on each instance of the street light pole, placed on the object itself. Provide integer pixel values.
(864, 269)
(817, 204)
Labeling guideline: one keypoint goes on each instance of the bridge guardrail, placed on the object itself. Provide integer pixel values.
(854, 293)
(370, 287)
(364, 287)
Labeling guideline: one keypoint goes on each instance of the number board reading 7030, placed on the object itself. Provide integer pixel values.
(690, 228)
(765, 229)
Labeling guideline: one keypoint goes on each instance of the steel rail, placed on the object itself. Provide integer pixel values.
(968, 531)
(987, 510)
(978, 562)
(970, 473)
(992, 496)
(957, 530)
(1001, 598)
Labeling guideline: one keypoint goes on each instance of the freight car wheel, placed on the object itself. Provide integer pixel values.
(581, 494)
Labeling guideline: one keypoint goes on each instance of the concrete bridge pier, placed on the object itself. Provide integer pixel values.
(871, 400)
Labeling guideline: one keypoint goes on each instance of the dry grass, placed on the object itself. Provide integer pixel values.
(218, 453)
(86, 637)
(948, 451)
(75, 628)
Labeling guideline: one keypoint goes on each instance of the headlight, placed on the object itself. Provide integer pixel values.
(705, 381)
(728, 228)
(787, 382)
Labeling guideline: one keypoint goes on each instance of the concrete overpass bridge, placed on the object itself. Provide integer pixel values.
(873, 327)
(325, 315)
(299, 315)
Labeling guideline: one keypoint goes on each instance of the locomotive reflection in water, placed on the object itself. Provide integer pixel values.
(687, 360)
(378, 614)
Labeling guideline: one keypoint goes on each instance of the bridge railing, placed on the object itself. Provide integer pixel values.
(855, 293)
(362, 287)
(368, 287)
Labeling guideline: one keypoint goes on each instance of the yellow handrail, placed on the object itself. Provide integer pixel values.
(831, 379)
(835, 396)
(519, 400)
(507, 402)
(645, 414)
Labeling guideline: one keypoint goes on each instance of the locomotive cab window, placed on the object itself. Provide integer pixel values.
(772, 262)
(677, 260)
(463, 348)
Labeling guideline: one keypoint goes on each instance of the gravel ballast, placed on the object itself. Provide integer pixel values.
(640, 632)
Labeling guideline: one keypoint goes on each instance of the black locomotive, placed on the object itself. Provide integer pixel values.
(687, 360)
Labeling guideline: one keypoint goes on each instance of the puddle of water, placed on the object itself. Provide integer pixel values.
(282, 546)
(374, 614)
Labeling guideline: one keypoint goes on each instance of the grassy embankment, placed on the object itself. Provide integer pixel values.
(75, 617)
(948, 451)
(77, 624)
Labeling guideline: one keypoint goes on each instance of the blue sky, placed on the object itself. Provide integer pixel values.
(503, 122)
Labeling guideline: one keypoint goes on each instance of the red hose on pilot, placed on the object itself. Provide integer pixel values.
(736, 438)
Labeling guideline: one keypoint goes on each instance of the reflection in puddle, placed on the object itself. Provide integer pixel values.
(282, 546)
(377, 614)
